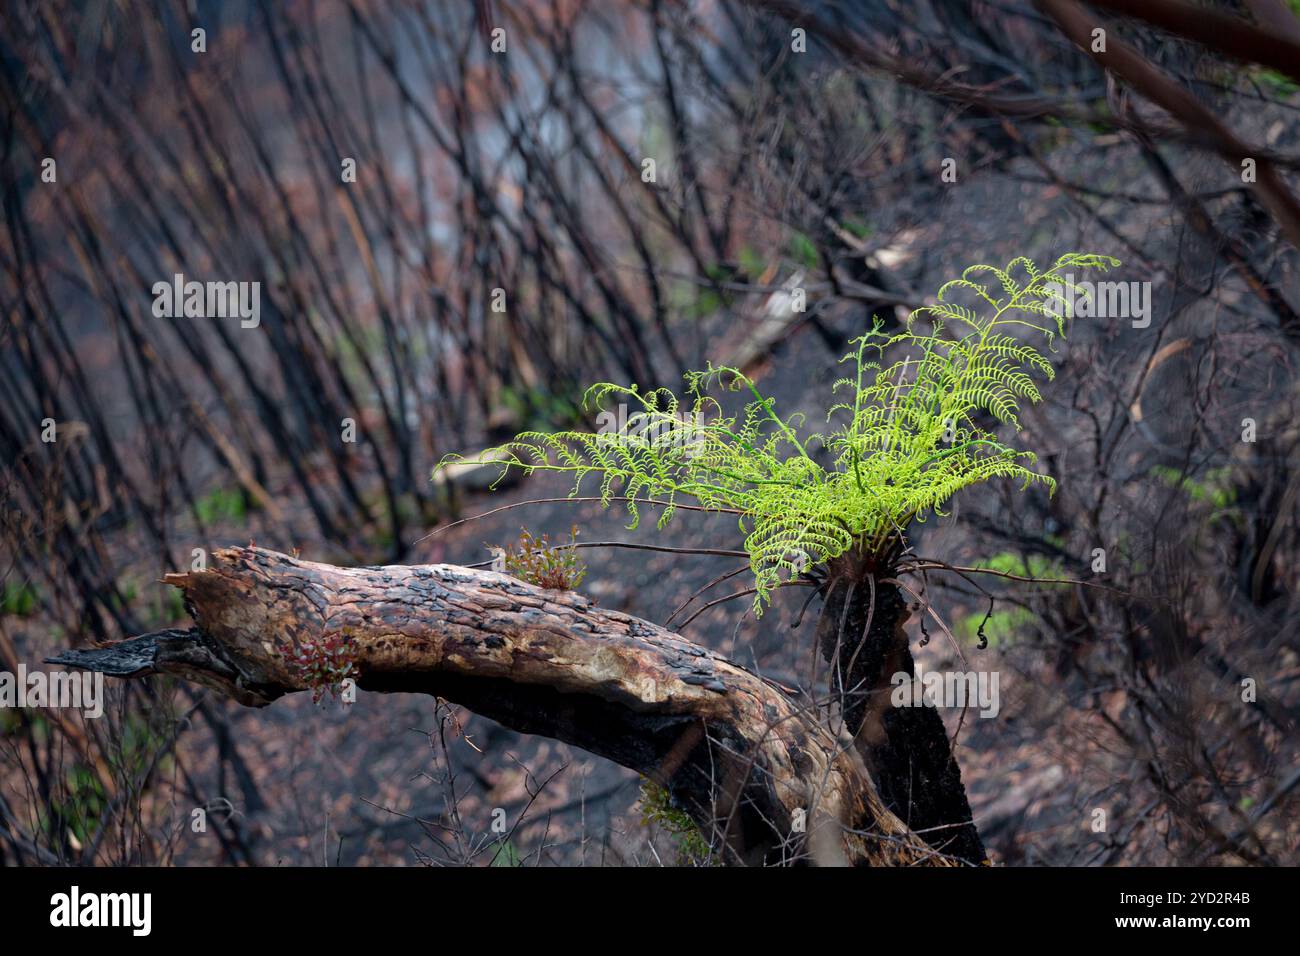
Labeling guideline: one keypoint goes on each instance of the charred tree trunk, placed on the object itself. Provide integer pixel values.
(863, 640)
(764, 779)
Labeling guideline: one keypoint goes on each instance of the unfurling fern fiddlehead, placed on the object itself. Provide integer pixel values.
(905, 439)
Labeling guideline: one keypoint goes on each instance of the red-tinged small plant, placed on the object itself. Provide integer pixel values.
(323, 664)
(539, 562)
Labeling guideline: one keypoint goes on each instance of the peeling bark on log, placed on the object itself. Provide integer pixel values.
(734, 750)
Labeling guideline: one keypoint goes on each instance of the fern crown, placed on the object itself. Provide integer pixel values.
(911, 424)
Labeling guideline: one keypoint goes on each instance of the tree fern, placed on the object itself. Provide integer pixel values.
(902, 438)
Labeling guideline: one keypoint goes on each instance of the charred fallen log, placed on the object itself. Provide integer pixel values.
(754, 767)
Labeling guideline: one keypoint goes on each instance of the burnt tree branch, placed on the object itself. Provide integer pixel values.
(738, 753)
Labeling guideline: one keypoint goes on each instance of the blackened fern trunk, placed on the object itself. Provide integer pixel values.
(863, 640)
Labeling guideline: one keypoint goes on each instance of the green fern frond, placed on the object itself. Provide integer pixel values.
(908, 435)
